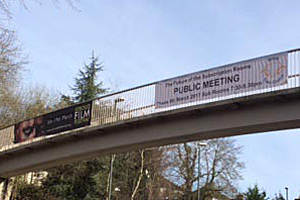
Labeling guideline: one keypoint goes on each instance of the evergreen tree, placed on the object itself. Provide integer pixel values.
(77, 181)
(86, 86)
(255, 194)
(88, 180)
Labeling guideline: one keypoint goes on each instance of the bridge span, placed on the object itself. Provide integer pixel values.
(252, 96)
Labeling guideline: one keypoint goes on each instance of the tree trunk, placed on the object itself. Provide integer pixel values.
(109, 178)
(140, 176)
(5, 188)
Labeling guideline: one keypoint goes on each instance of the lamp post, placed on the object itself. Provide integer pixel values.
(286, 193)
(117, 100)
(200, 144)
(110, 175)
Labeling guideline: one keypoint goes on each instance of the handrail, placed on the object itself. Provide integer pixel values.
(142, 100)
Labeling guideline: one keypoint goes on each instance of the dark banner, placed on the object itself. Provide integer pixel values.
(54, 122)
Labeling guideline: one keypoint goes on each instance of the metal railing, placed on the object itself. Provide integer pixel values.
(143, 100)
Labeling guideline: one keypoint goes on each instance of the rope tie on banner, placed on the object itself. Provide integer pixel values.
(293, 76)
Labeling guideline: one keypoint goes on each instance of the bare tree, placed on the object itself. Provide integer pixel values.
(140, 176)
(11, 66)
(27, 103)
(5, 5)
(220, 167)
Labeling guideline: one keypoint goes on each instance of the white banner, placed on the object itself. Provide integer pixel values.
(246, 76)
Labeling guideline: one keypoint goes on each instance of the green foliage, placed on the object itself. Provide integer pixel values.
(23, 190)
(75, 181)
(255, 194)
(86, 179)
(86, 87)
(29, 192)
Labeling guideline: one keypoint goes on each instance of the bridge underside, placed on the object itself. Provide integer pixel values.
(252, 114)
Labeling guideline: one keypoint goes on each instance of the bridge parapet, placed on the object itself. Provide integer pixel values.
(276, 72)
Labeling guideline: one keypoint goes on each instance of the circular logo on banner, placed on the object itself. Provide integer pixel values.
(274, 72)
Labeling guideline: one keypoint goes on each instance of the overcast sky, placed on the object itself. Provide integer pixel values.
(145, 41)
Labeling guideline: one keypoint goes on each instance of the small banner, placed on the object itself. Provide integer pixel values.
(54, 122)
(261, 73)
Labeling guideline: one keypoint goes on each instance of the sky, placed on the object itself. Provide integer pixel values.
(142, 41)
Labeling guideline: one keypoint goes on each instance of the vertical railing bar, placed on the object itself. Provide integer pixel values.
(107, 110)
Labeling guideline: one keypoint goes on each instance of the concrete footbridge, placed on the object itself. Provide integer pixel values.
(257, 95)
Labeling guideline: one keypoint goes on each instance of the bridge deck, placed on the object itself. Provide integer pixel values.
(257, 113)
